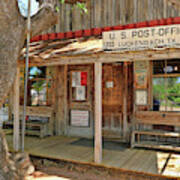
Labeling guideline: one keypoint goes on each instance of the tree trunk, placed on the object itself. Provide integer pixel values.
(15, 166)
(12, 39)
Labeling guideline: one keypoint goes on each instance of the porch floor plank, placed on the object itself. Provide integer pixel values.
(115, 154)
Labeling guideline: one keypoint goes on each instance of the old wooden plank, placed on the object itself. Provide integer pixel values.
(16, 105)
(150, 117)
(125, 94)
(122, 12)
(98, 112)
(76, 19)
(150, 89)
(97, 14)
(103, 13)
(106, 57)
(86, 17)
(61, 100)
(44, 111)
(109, 12)
(117, 12)
(92, 14)
(68, 16)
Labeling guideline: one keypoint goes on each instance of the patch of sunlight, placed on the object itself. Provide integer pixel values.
(161, 160)
(47, 178)
(173, 166)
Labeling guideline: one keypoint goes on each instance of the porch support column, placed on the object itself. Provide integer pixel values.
(16, 107)
(125, 102)
(98, 113)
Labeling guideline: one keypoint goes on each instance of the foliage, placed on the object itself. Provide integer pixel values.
(38, 85)
(167, 87)
(81, 6)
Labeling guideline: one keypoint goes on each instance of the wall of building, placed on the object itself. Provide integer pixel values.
(102, 13)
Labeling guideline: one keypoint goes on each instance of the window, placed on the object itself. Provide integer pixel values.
(166, 85)
(38, 86)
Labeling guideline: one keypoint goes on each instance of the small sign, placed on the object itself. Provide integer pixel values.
(142, 38)
(140, 74)
(81, 93)
(83, 78)
(79, 118)
(109, 84)
(76, 79)
(141, 97)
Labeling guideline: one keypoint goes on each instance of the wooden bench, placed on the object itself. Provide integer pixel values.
(39, 121)
(144, 119)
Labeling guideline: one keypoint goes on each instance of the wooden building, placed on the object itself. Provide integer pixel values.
(111, 13)
(120, 90)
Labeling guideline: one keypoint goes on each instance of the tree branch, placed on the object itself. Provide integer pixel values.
(175, 3)
(45, 18)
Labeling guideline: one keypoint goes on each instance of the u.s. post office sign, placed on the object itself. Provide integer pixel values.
(142, 38)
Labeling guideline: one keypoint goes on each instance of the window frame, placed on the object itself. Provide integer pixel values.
(165, 76)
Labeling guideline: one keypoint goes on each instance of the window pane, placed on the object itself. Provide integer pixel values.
(173, 66)
(159, 92)
(38, 93)
(173, 85)
(158, 67)
(37, 72)
(166, 94)
(173, 96)
(166, 66)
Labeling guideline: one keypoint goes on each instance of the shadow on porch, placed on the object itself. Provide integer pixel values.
(115, 154)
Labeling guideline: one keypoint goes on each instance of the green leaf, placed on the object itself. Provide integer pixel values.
(57, 9)
(62, 1)
(82, 7)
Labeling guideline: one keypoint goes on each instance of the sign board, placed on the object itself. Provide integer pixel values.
(79, 79)
(76, 79)
(142, 38)
(84, 78)
(109, 84)
(81, 93)
(79, 118)
(141, 97)
(141, 74)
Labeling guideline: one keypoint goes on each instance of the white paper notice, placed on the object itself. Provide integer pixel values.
(80, 93)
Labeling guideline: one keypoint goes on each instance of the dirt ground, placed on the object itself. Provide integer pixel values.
(64, 171)
(53, 170)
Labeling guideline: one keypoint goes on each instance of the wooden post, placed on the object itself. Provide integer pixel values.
(16, 111)
(10, 105)
(125, 94)
(98, 113)
(61, 101)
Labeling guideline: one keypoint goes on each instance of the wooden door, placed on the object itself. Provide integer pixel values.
(80, 100)
(113, 97)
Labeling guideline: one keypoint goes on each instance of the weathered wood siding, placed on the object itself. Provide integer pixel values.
(103, 13)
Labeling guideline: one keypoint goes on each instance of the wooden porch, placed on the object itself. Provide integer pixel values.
(115, 154)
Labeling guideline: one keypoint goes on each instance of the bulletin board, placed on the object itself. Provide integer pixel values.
(141, 74)
(79, 85)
